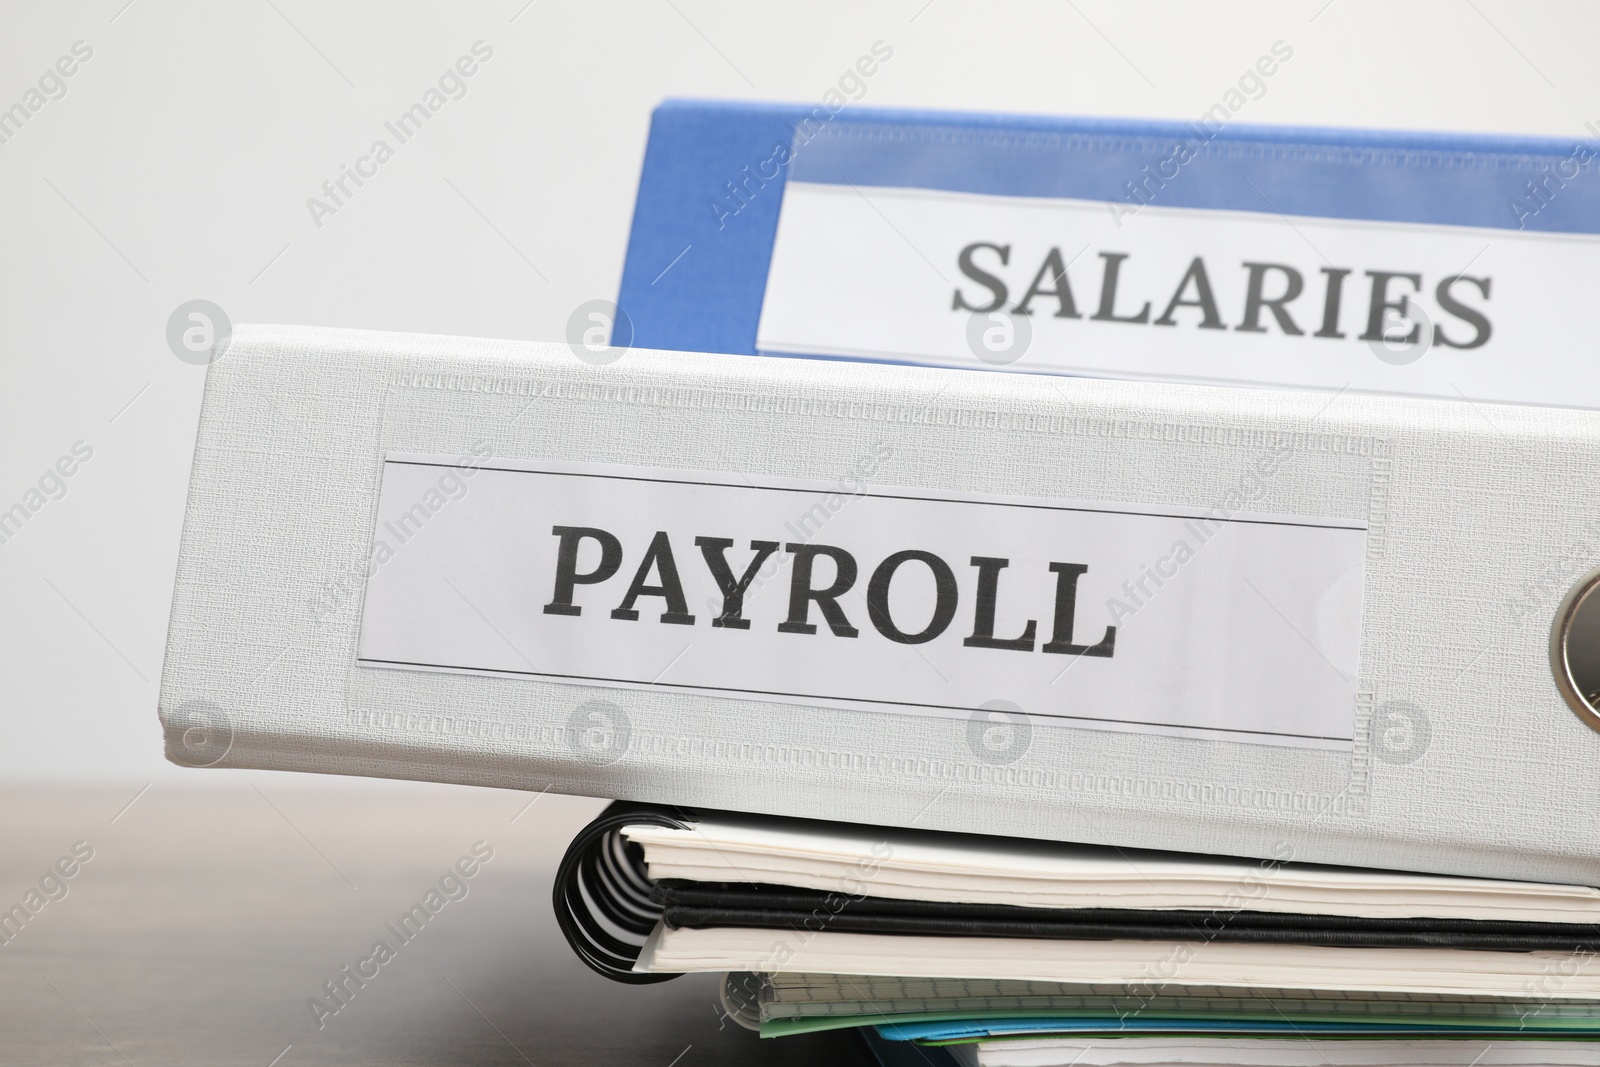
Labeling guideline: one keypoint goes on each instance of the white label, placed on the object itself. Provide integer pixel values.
(1156, 620)
(936, 277)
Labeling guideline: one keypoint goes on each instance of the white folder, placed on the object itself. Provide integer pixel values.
(1348, 662)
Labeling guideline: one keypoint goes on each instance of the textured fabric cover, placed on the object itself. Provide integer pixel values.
(1466, 759)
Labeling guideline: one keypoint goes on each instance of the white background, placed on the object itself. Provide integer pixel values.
(179, 164)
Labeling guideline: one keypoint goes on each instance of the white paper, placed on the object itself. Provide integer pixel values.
(874, 273)
(1252, 636)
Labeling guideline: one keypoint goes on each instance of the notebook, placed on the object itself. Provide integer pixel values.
(645, 892)
(796, 1002)
(1068, 1052)
(971, 869)
(1431, 971)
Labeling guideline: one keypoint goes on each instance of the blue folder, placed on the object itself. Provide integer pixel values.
(714, 177)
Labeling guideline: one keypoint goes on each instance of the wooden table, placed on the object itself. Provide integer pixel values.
(214, 910)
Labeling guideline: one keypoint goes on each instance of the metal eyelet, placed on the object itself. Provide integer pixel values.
(1575, 649)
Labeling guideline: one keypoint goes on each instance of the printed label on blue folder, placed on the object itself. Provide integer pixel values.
(1184, 622)
(1083, 287)
(1444, 265)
